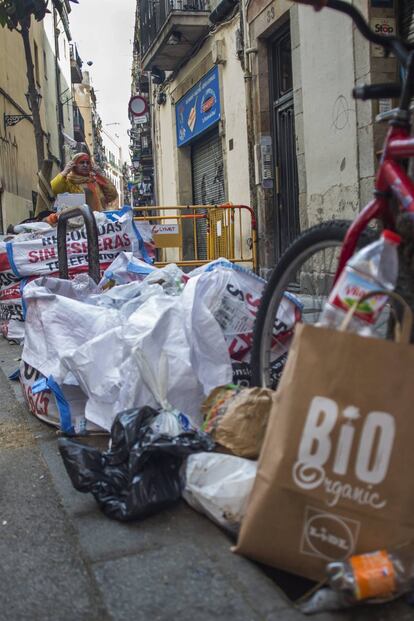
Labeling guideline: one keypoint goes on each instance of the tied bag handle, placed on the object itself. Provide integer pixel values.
(403, 327)
(157, 382)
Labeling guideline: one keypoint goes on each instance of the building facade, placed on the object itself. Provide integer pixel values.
(316, 148)
(113, 165)
(141, 182)
(52, 67)
(286, 136)
(88, 123)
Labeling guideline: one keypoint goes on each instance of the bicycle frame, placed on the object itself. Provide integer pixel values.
(391, 180)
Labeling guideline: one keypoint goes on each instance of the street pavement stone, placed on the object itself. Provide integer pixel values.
(63, 560)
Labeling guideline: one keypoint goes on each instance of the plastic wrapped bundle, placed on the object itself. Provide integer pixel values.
(139, 475)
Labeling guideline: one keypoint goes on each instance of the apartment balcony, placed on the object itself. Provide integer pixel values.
(78, 125)
(75, 65)
(143, 84)
(170, 29)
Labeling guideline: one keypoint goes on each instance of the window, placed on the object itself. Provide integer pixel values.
(36, 63)
(45, 64)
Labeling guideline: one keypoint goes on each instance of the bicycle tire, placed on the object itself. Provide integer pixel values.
(307, 244)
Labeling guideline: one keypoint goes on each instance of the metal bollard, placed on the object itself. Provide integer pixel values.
(92, 236)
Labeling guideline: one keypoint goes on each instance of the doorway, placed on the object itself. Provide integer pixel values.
(286, 192)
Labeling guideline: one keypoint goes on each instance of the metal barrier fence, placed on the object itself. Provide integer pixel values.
(194, 235)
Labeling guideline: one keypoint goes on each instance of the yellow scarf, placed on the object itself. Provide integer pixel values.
(92, 184)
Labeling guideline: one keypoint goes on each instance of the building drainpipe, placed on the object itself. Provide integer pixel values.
(154, 161)
(1, 208)
(247, 51)
(59, 107)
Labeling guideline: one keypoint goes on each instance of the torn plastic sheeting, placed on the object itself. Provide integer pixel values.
(139, 475)
(60, 406)
(162, 324)
(233, 295)
(324, 600)
(124, 269)
(15, 376)
(219, 486)
(59, 320)
(171, 278)
(124, 298)
(13, 330)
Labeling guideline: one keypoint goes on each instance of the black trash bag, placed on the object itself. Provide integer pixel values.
(139, 475)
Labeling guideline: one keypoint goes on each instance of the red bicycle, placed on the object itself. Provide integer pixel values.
(313, 262)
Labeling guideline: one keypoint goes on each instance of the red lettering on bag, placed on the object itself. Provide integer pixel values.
(48, 253)
(75, 247)
(33, 256)
(41, 255)
(107, 243)
(118, 242)
(39, 403)
(240, 345)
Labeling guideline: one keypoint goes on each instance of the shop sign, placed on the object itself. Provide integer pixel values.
(199, 109)
(382, 26)
(165, 229)
(141, 120)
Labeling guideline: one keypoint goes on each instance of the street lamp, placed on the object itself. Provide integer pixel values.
(12, 119)
(29, 101)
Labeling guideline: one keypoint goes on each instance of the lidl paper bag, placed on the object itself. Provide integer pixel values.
(335, 471)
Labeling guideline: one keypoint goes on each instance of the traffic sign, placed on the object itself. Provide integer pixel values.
(138, 106)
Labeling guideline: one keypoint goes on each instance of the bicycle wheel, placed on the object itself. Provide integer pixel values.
(306, 270)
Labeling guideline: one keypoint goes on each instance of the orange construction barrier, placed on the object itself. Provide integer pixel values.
(194, 235)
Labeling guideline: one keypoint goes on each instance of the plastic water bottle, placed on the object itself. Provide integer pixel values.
(373, 267)
(378, 575)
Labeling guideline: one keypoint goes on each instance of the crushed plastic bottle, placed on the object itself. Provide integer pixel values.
(377, 576)
(373, 267)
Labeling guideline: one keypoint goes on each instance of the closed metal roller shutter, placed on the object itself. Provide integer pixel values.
(406, 11)
(208, 180)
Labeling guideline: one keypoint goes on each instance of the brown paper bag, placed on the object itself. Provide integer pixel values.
(237, 418)
(336, 468)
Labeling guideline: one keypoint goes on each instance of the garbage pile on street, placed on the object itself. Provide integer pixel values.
(332, 498)
(82, 339)
(32, 252)
(308, 477)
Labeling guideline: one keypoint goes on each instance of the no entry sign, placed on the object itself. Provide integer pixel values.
(138, 106)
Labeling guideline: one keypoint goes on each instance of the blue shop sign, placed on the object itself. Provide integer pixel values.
(199, 109)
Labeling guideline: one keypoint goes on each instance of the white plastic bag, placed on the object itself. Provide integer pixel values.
(219, 486)
(67, 199)
(171, 278)
(36, 254)
(233, 296)
(124, 269)
(169, 421)
(58, 321)
(108, 370)
(61, 406)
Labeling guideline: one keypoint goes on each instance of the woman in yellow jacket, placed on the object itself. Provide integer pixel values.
(81, 175)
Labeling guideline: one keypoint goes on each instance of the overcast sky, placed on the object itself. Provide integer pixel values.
(103, 31)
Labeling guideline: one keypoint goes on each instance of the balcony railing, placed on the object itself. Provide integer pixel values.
(155, 13)
(78, 124)
(75, 65)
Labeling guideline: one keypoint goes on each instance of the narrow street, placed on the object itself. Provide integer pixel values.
(63, 559)
(206, 310)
